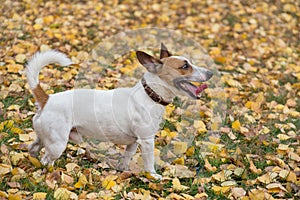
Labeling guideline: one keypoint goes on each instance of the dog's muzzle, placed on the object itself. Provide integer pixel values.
(187, 84)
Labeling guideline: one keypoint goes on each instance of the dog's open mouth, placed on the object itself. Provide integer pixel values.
(192, 89)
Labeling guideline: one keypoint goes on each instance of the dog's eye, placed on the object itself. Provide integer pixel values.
(185, 66)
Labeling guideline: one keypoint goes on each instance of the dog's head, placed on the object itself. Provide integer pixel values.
(176, 71)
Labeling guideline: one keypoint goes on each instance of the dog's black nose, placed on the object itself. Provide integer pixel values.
(209, 74)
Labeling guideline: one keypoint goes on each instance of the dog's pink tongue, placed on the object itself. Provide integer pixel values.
(201, 88)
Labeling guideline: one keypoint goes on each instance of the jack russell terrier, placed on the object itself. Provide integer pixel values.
(126, 116)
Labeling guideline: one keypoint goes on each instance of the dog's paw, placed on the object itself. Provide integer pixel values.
(47, 161)
(44, 161)
(156, 176)
(153, 175)
(122, 167)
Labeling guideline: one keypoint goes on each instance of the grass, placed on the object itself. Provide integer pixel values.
(212, 195)
(281, 99)
(137, 183)
(3, 184)
(166, 124)
(193, 188)
(29, 184)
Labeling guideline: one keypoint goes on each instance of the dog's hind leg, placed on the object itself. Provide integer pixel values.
(75, 136)
(55, 145)
(129, 152)
(35, 147)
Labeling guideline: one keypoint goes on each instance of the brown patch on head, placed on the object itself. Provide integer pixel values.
(40, 96)
(172, 69)
(177, 64)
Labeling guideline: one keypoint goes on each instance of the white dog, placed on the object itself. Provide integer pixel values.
(127, 116)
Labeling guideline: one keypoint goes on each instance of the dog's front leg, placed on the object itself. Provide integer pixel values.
(129, 152)
(147, 148)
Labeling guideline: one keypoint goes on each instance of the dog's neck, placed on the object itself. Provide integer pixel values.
(161, 88)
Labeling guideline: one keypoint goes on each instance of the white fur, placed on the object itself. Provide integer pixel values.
(42, 59)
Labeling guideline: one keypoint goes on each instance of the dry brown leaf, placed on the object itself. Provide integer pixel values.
(238, 192)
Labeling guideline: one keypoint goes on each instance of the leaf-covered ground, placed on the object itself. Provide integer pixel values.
(255, 154)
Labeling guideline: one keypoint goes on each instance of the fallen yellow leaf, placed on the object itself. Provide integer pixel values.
(14, 68)
(62, 194)
(239, 171)
(283, 174)
(202, 195)
(214, 139)
(179, 161)
(253, 168)
(179, 147)
(39, 195)
(5, 169)
(15, 157)
(236, 125)
(294, 156)
(283, 137)
(190, 151)
(292, 177)
(228, 183)
(266, 178)
(20, 58)
(35, 162)
(177, 185)
(233, 83)
(169, 109)
(220, 190)
(200, 126)
(208, 166)
(174, 196)
(81, 182)
(255, 194)
(71, 167)
(212, 146)
(3, 194)
(187, 197)
(275, 187)
(14, 197)
(24, 137)
(222, 175)
(109, 182)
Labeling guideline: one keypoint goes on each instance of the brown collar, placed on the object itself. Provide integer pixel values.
(153, 95)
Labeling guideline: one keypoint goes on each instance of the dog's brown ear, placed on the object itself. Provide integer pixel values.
(164, 51)
(151, 63)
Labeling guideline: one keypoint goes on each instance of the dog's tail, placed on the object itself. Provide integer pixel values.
(33, 68)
